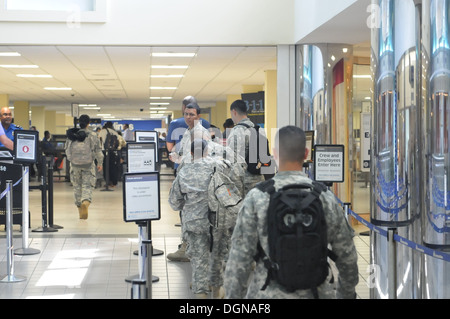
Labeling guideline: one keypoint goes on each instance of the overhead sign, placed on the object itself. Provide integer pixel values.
(141, 197)
(329, 163)
(26, 146)
(141, 157)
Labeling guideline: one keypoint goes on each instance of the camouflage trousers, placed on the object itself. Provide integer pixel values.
(221, 244)
(83, 180)
(198, 250)
(208, 249)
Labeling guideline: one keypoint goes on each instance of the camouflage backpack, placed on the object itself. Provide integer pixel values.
(224, 198)
(78, 147)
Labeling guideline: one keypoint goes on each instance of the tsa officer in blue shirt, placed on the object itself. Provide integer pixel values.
(178, 126)
(8, 126)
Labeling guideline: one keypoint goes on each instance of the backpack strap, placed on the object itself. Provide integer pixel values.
(266, 186)
(244, 124)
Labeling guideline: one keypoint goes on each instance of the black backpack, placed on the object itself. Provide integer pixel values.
(297, 237)
(111, 142)
(256, 158)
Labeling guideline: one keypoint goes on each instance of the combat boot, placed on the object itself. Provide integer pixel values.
(79, 211)
(218, 293)
(84, 209)
(180, 254)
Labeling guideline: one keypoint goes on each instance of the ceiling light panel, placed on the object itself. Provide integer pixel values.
(173, 54)
(10, 54)
(19, 66)
(169, 66)
(168, 76)
(57, 89)
(48, 76)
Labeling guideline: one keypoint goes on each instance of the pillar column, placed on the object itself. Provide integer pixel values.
(38, 119)
(219, 114)
(22, 114)
(271, 107)
(285, 85)
(4, 100)
(50, 121)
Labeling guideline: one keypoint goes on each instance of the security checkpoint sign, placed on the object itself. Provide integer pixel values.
(329, 163)
(26, 146)
(141, 197)
(141, 157)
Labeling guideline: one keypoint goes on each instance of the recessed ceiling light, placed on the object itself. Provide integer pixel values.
(34, 75)
(162, 88)
(10, 54)
(345, 50)
(19, 66)
(173, 55)
(167, 76)
(170, 66)
(160, 98)
(57, 89)
(159, 103)
(362, 76)
(158, 108)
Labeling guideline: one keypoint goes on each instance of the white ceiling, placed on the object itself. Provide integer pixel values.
(118, 79)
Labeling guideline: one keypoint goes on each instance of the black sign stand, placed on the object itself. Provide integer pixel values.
(45, 227)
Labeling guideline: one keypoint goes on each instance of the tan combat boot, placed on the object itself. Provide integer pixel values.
(84, 209)
(218, 293)
(180, 254)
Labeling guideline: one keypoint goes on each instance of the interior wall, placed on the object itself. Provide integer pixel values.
(168, 22)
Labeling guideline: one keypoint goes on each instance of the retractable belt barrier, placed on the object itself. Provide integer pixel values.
(383, 232)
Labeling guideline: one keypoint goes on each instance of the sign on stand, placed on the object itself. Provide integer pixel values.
(141, 157)
(141, 197)
(329, 163)
(26, 146)
(147, 137)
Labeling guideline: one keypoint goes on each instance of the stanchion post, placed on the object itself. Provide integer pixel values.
(347, 211)
(392, 264)
(147, 246)
(50, 195)
(45, 227)
(10, 277)
(25, 250)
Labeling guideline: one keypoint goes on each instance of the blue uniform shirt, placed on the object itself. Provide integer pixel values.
(10, 132)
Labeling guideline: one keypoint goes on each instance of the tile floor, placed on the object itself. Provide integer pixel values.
(91, 259)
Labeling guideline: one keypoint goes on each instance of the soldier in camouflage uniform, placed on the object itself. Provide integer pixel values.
(238, 141)
(195, 131)
(222, 230)
(251, 228)
(83, 177)
(189, 193)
